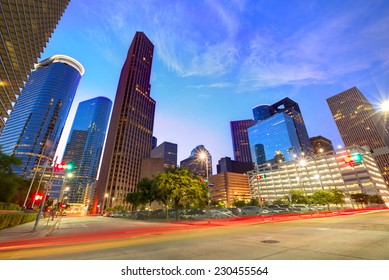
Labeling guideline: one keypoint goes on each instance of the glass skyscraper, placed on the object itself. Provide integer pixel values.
(25, 28)
(274, 134)
(279, 133)
(85, 145)
(35, 126)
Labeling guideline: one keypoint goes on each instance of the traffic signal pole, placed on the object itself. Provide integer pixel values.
(44, 197)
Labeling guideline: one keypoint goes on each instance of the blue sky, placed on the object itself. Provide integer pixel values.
(215, 60)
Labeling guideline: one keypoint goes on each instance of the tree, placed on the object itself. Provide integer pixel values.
(239, 203)
(10, 184)
(376, 199)
(179, 186)
(323, 197)
(135, 199)
(338, 197)
(149, 190)
(360, 198)
(298, 197)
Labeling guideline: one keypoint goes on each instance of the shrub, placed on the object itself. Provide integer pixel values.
(14, 219)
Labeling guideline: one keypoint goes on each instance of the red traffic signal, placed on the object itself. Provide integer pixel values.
(38, 198)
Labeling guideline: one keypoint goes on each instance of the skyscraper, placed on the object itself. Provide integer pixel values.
(196, 164)
(279, 133)
(25, 28)
(321, 145)
(240, 140)
(130, 131)
(167, 151)
(85, 145)
(35, 125)
(358, 124)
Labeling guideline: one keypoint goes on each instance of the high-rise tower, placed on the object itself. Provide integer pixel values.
(130, 133)
(240, 140)
(35, 126)
(85, 145)
(25, 28)
(197, 164)
(167, 151)
(359, 124)
(279, 134)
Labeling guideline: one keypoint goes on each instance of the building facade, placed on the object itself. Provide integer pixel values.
(240, 140)
(228, 187)
(279, 130)
(130, 133)
(167, 151)
(359, 124)
(25, 28)
(228, 165)
(321, 145)
(85, 145)
(327, 172)
(197, 164)
(33, 131)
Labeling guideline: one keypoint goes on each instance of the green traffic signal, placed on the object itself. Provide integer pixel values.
(357, 157)
(70, 166)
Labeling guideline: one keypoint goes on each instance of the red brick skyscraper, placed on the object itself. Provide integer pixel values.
(129, 138)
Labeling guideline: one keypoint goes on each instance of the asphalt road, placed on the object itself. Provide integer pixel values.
(360, 236)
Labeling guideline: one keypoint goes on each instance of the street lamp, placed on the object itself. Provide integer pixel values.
(203, 156)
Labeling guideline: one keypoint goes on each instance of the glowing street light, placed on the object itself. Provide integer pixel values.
(203, 156)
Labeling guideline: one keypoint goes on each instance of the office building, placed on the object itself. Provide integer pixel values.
(228, 187)
(25, 28)
(167, 151)
(240, 140)
(85, 145)
(228, 165)
(130, 132)
(197, 163)
(279, 133)
(34, 128)
(359, 124)
(321, 145)
(330, 171)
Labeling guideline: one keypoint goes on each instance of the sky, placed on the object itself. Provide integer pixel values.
(215, 60)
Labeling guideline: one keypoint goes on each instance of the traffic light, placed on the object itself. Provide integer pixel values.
(69, 166)
(354, 159)
(357, 157)
(38, 198)
(65, 166)
(261, 176)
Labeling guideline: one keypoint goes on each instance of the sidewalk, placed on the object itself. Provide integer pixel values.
(25, 231)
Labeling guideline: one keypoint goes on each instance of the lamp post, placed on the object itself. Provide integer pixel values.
(203, 156)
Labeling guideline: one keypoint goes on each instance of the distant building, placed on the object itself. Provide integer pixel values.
(85, 145)
(167, 151)
(155, 142)
(359, 124)
(327, 172)
(321, 145)
(35, 126)
(228, 187)
(240, 140)
(130, 134)
(279, 133)
(228, 165)
(196, 164)
(26, 27)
